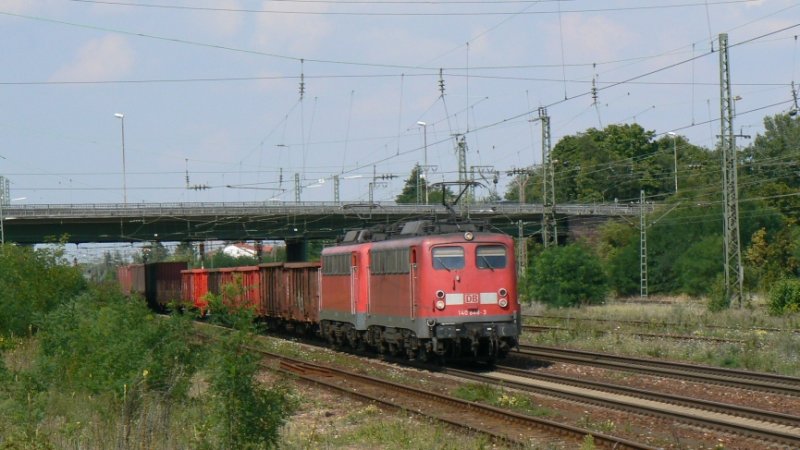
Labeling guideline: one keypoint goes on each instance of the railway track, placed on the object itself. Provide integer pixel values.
(764, 426)
(757, 381)
(747, 422)
(515, 428)
(665, 324)
(544, 328)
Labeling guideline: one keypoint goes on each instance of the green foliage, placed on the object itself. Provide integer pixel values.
(717, 297)
(228, 309)
(624, 276)
(772, 159)
(245, 414)
(684, 247)
(414, 190)
(103, 342)
(492, 395)
(784, 297)
(700, 263)
(770, 258)
(33, 282)
(567, 276)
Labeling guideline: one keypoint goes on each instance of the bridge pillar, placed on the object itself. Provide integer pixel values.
(296, 250)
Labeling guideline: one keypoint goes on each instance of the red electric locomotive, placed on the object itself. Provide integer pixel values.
(433, 288)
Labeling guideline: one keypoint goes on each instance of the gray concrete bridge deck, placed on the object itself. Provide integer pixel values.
(132, 222)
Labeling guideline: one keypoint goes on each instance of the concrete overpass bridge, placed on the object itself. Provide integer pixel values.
(166, 222)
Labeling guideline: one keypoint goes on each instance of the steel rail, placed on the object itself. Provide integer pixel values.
(320, 374)
(729, 423)
(760, 381)
(643, 322)
(542, 328)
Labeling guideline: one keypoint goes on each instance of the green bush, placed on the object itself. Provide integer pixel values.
(700, 263)
(245, 414)
(567, 276)
(784, 297)
(33, 282)
(105, 342)
(717, 297)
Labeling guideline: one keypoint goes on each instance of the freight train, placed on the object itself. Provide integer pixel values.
(424, 289)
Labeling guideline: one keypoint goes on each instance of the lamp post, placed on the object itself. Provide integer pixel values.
(675, 158)
(424, 126)
(121, 118)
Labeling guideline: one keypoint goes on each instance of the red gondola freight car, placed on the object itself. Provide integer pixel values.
(159, 283)
(194, 284)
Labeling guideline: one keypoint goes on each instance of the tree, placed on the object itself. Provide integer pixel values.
(615, 163)
(770, 165)
(33, 282)
(414, 190)
(567, 276)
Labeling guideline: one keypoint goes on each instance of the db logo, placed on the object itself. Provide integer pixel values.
(472, 298)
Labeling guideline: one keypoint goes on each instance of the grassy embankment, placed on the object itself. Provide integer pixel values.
(759, 350)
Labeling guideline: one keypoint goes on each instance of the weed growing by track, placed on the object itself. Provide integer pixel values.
(499, 397)
(609, 330)
(103, 372)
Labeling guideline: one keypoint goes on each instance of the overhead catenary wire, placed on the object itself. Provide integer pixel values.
(304, 134)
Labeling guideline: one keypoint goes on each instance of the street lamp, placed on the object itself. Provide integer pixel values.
(121, 118)
(675, 158)
(425, 167)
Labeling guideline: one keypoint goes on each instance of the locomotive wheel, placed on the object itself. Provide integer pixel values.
(423, 354)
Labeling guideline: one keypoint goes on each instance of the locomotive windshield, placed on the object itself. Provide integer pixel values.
(448, 258)
(491, 257)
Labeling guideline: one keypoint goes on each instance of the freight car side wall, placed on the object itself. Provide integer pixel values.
(163, 282)
(303, 297)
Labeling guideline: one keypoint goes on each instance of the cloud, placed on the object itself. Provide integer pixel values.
(99, 59)
(292, 34)
(591, 38)
(221, 23)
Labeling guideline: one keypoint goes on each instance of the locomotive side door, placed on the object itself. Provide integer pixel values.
(354, 284)
(413, 281)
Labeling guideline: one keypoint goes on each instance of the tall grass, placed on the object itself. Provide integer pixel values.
(760, 350)
(105, 373)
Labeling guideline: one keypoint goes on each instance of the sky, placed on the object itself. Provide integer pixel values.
(212, 89)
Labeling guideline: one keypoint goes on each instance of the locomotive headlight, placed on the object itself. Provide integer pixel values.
(469, 236)
(440, 304)
(440, 294)
(503, 302)
(503, 292)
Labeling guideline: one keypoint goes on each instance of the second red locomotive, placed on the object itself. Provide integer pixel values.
(443, 289)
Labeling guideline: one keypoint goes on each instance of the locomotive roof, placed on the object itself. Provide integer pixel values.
(411, 229)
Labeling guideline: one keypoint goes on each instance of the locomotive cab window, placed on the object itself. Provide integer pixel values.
(448, 258)
(491, 257)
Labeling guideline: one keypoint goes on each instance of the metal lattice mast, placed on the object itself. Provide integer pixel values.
(734, 272)
(336, 189)
(549, 229)
(297, 187)
(463, 176)
(642, 246)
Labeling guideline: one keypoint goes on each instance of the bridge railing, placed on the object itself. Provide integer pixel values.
(309, 208)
